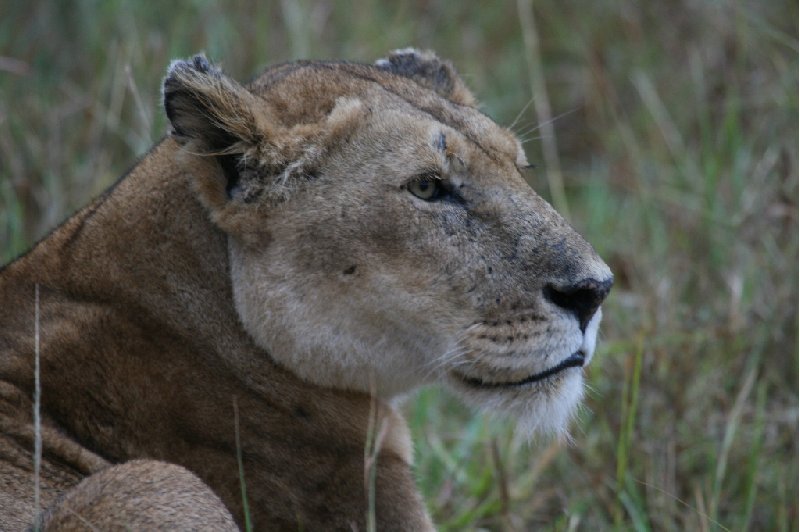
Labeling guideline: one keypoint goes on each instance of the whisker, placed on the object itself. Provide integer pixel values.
(519, 115)
(525, 141)
(542, 124)
(455, 356)
(590, 390)
(450, 356)
(444, 357)
(447, 358)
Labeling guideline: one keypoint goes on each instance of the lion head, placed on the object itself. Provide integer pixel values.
(382, 236)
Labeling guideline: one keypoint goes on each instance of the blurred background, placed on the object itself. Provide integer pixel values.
(666, 131)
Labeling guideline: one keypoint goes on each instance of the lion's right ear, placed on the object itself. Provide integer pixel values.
(210, 113)
(424, 67)
(215, 118)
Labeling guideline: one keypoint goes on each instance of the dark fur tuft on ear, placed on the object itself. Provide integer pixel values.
(424, 67)
(208, 111)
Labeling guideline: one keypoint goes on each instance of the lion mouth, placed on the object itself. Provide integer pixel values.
(575, 360)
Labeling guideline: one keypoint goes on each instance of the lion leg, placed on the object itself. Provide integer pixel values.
(139, 495)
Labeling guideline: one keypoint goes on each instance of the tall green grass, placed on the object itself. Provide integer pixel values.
(676, 144)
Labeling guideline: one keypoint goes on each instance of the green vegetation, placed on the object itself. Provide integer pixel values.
(675, 152)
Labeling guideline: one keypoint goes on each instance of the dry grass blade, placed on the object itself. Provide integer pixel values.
(502, 484)
(542, 106)
(731, 426)
(37, 421)
(377, 427)
(248, 524)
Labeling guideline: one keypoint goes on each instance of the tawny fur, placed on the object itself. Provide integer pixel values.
(269, 255)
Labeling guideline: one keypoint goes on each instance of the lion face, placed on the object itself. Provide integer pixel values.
(382, 236)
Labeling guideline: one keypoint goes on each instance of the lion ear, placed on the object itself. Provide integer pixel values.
(218, 120)
(243, 160)
(210, 113)
(424, 67)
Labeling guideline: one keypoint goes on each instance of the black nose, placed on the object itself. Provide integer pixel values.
(582, 298)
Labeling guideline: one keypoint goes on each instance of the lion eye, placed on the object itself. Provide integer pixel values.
(426, 188)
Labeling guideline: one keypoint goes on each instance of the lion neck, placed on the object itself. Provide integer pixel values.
(142, 353)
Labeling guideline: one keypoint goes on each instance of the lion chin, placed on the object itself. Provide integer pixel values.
(541, 409)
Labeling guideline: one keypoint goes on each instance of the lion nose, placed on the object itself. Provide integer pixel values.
(582, 298)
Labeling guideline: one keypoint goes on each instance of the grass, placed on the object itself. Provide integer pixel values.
(248, 523)
(37, 422)
(677, 151)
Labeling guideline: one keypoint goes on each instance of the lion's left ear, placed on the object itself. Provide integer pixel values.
(424, 67)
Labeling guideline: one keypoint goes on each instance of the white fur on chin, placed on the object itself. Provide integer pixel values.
(541, 409)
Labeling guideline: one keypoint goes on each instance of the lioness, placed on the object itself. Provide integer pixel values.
(224, 331)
